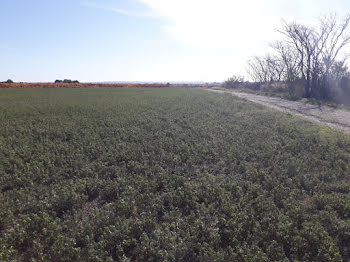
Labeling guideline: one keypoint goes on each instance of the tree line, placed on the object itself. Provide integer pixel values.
(308, 60)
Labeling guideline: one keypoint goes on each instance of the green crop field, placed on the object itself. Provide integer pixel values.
(167, 175)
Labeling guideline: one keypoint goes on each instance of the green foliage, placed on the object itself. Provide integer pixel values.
(167, 175)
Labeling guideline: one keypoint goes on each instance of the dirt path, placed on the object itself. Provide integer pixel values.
(325, 115)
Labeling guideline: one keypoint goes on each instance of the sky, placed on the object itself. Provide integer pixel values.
(143, 40)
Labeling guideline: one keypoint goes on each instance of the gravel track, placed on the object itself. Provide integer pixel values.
(325, 115)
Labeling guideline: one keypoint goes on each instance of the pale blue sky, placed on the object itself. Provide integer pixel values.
(142, 40)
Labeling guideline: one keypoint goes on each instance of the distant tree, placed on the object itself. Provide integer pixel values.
(67, 81)
(9, 81)
(234, 82)
(257, 69)
(70, 81)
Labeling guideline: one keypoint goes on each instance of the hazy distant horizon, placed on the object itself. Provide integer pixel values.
(122, 82)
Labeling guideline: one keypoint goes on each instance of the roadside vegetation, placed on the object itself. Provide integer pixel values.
(308, 61)
(167, 175)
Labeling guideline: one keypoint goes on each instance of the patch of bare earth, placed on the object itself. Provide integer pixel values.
(325, 115)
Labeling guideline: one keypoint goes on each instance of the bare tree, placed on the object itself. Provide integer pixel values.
(257, 69)
(266, 69)
(316, 49)
(305, 56)
(336, 39)
(287, 63)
